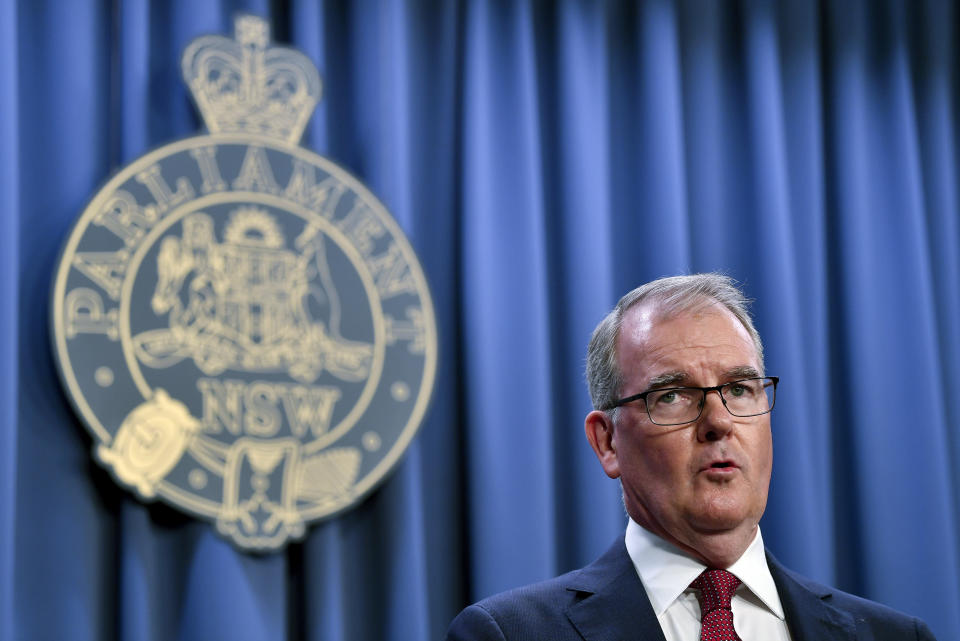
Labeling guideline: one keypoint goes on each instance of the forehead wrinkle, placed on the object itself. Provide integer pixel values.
(681, 356)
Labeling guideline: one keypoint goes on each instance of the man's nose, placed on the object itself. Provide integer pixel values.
(715, 421)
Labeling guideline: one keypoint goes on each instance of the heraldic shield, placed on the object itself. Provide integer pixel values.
(240, 324)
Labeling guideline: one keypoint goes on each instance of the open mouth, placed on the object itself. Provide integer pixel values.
(727, 466)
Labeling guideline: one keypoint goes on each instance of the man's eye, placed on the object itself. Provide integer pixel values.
(667, 398)
(672, 397)
(738, 389)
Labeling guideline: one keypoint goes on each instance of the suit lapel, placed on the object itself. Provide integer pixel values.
(805, 604)
(613, 605)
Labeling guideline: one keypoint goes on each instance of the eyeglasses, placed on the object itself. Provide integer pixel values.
(679, 405)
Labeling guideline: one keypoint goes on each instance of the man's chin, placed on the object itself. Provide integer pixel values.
(722, 514)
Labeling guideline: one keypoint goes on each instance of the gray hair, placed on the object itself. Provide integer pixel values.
(673, 295)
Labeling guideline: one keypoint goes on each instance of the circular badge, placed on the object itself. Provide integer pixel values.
(244, 330)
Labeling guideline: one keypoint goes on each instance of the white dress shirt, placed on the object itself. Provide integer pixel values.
(666, 574)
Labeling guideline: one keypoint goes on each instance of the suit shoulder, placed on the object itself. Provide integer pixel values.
(545, 596)
(554, 610)
(520, 613)
(881, 620)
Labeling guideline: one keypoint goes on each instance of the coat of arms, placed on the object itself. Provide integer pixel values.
(241, 325)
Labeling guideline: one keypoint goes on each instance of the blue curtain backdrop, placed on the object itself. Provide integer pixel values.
(543, 158)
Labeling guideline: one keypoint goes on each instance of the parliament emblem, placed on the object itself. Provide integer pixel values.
(241, 325)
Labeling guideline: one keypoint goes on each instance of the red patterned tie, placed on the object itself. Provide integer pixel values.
(716, 587)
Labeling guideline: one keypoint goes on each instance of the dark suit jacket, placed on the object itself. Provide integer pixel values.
(605, 601)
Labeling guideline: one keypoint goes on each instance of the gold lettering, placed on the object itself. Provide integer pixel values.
(206, 158)
(222, 405)
(255, 408)
(255, 173)
(83, 314)
(309, 407)
(411, 330)
(262, 417)
(104, 268)
(391, 273)
(124, 217)
(322, 198)
(362, 227)
(166, 199)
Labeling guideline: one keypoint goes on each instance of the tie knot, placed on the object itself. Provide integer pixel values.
(716, 589)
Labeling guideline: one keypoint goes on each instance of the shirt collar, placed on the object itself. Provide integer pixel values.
(666, 572)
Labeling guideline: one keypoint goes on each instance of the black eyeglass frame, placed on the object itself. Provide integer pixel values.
(706, 390)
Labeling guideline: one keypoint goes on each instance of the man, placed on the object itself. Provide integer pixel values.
(682, 418)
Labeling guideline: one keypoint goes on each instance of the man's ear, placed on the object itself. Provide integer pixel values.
(599, 429)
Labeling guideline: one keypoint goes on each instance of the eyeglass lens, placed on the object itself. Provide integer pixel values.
(682, 405)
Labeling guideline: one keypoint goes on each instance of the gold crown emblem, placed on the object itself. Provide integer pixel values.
(243, 86)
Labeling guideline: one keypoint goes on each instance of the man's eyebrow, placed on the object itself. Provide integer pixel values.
(743, 371)
(667, 378)
(679, 377)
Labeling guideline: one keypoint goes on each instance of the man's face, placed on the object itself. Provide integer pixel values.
(687, 482)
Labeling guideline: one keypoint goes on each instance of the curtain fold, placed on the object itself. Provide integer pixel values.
(503, 299)
(9, 291)
(543, 159)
